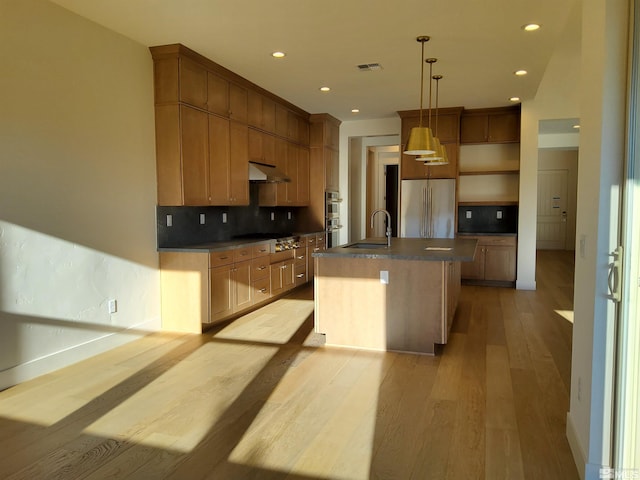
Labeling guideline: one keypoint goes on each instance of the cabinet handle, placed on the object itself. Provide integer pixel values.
(300, 275)
(223, 258)
(262, 290)
(262, 267)
(283, 267)
(300, 257)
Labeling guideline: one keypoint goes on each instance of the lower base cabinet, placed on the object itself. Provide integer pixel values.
(204, 288)
(495, 260)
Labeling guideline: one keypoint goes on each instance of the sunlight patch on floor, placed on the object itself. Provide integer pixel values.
(307, 425)
(566, 314)
(210, 382)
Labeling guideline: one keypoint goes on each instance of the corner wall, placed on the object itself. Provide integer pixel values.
(77, 190)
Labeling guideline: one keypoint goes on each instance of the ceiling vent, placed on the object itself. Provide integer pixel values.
(369, 67)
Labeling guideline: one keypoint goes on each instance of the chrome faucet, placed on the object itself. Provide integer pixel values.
(388, 233)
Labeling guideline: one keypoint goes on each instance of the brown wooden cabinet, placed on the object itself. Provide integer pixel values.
(261, 111)
(495, 260)
(226, 98)
(448, 132)
(452, 294)
(490, 125)
(282, 276)
(228, 162)
(324, 168)
(194, 95)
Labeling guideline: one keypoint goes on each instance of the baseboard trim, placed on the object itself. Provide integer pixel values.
(579, 456)
(54, 361)
(522, 285)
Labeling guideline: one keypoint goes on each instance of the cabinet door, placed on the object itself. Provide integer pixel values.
(289, 274)
(303, 176)
(311, 263)
(219, 160)
(242, 288)
(261, 290)
(447, 128)
(218, 97)
(282, 121)
(221, 295)
(238, 163)
(300, 274)
(195, 154)
(332, 178)
(193, 83)
(254, 109)
(238, 107)
(474, 128)
(277, 277)
(504, 127)
(474, 270)
(500, 263)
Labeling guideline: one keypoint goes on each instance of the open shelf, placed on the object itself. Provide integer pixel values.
(490, 172)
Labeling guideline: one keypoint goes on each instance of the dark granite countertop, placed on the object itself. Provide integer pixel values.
(422, 249)
(227, 245)
(484, 234)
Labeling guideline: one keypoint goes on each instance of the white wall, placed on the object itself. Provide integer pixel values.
(77, 190)
(557, 97)
(602, 116)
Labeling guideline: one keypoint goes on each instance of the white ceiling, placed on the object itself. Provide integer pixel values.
(478, 44)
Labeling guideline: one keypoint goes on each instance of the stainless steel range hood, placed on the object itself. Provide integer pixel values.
(265, 173)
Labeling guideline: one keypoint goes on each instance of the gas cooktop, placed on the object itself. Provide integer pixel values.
(261, 236)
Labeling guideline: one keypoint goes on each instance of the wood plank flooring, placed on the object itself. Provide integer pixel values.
(261, 398)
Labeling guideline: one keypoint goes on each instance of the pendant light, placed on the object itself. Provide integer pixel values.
(440, 157)
(421, 140)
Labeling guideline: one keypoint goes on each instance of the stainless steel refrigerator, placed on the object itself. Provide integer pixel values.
(427, 208)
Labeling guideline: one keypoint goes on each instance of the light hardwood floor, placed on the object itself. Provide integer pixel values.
(260, 399)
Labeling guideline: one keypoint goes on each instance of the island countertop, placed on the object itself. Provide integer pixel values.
(422, 249)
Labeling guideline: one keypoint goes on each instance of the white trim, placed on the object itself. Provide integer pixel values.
(579, 457)
(54, 361)
(525, 285)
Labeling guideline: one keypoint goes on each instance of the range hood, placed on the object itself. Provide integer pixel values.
(265, 173)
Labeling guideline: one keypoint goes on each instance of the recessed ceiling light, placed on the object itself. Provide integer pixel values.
(324, 89)
(355, 110)
(514, 99)
(278, 54)
(531, 27)
(520, 73)
(576, 126)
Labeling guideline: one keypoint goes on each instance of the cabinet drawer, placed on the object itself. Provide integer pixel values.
(242, 253)
(303, 241)
(301, 256)
(261, 290)
(261, 250)
(219, 258)
(300, 273)
(280, 256)
(259, 268)
(509, 241)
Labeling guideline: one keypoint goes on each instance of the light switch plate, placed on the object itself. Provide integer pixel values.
(499, 214)
(384, 277)
(169, 220)
(273, 216)
(224, 217)
(467, 214)
(202, 218)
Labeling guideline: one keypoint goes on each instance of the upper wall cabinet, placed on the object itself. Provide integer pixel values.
(203, 139)
(226, 98)
(490, 125)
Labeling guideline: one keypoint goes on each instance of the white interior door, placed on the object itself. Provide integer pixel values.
(552, 209)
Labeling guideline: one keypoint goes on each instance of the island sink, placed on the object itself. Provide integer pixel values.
(365, 245)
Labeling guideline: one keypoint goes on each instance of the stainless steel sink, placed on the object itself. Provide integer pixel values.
(367, 246)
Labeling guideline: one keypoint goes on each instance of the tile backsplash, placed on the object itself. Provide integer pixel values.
(186, 227)
(488, 219)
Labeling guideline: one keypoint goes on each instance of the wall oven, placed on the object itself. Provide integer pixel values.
(332, 217)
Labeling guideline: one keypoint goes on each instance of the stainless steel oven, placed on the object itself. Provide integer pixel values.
(332, 217)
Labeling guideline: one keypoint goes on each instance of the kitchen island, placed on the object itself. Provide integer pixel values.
(398, 298)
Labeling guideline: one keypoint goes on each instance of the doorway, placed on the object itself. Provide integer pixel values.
(382, 188)
(557, 198)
